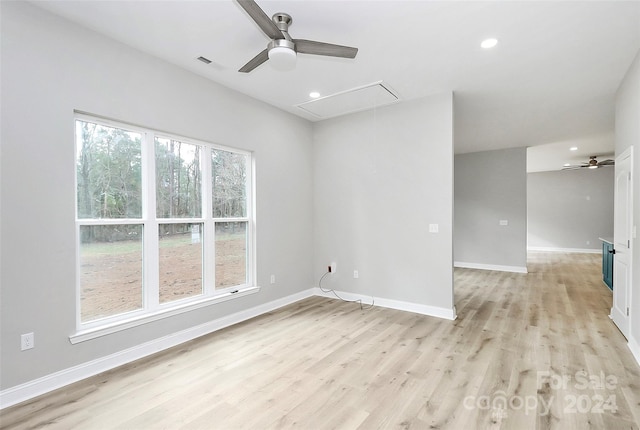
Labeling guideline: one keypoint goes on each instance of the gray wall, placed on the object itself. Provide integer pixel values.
(570, 209)
(628, 134)
(51, 67)
(380, 178)
(491, 186)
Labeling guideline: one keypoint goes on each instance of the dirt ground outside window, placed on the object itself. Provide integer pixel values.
(111, 273)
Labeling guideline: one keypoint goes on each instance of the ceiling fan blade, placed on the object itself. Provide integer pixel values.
(575, 167)
(264, 22)
(606, 163)
(255, 62)
(321, 48)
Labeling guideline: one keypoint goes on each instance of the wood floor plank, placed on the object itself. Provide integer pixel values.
(513, 359)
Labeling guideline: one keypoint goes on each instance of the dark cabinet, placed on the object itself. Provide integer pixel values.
(607, 264)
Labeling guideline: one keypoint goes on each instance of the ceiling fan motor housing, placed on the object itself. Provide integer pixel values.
(281, 43)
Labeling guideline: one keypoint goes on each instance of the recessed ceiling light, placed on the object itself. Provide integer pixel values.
(573, 148)
(566, 165)
(314, 94)
(489, 43)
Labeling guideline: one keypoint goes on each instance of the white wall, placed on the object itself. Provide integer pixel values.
(570, 209)
(628, 134)
(380, 178)
(51, 67)
(491, 186)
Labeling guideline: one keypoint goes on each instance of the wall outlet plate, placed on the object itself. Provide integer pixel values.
(27, 341)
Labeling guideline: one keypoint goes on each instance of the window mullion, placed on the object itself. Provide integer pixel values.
(151, 279)
(252, 268)
(209, 225)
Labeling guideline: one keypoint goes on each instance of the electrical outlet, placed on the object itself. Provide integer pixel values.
(273, 279)
(332, 268)
(26, 341)
(356, 274)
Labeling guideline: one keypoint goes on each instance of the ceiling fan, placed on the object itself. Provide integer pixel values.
(282, 49)
(591, 164)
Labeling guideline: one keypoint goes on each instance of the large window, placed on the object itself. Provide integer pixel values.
(162, 222)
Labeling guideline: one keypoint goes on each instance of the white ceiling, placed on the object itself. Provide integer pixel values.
(551, 80)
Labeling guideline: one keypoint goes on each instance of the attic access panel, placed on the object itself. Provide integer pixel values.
(354, 100)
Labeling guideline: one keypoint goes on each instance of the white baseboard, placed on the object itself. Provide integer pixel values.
(568, 250)
(499, 268)
(45, 384)
(634, 346)
(432, 311)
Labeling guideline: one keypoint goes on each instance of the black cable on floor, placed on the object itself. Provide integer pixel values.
(359, 301)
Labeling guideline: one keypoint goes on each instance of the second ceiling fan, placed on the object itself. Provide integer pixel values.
(591, 164)
(282, 48)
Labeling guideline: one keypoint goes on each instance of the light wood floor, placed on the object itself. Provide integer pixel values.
(321, 363)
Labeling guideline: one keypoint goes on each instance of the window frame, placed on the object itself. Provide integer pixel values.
(152, 309)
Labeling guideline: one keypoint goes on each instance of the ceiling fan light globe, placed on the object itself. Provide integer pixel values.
(593, 166)
(282, 58)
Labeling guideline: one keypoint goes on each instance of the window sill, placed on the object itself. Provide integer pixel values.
(104, 330)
